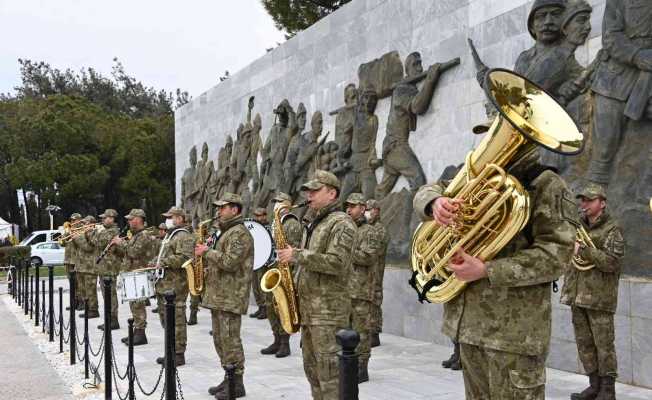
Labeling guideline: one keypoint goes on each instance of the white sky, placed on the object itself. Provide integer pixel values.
(164, 43)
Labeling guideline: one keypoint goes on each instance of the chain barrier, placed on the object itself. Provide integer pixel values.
(179, 388)
(90, 347)
(96, 375)
(115, 365)
(156, 385)
(114, 371)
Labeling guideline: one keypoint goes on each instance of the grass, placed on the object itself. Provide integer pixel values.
(59, 270)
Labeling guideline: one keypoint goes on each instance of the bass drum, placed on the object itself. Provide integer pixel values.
(264, 249)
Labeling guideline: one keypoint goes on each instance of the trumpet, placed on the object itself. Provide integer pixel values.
(583, 237)
(72, 230)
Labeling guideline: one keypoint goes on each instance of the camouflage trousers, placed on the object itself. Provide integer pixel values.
(272, 315)
(87, 289)
(70, 268)
(400, 160)
(376, 318)
(226, 339)
(114, 297)
(139, 313)
(594, 334)
(493, 374)
(361, 322)
(180, 327)
(259, 295)
(194, 302)
(320, 362)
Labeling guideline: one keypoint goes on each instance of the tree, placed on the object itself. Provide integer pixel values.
(293, 16)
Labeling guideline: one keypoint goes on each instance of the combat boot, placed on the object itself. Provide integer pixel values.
(363, 372)
(155, 310)
(193, 318)
(91, 314)
(239, 389)
(263, 313)
(455, 357)
(272, 348)
(255, 314)
(590, 392)
(284, 346)
(115, 324)
(375, 339)
(179, 360)
(214, 389)
(607, 388)
(139, 338)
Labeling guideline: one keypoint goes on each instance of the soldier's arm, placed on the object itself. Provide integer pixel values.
(607, 259)
(553, 236)
(236, 250)
(373, 156)
(293, 232)
(83, 243)
(424, 198)
(614, 38)
(420, 103)
(365, 253)
(183, 251)
(337, 254)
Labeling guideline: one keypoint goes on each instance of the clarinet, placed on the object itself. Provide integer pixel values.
(108, 246)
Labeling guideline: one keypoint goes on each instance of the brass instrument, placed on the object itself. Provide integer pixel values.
(73, 229)
(494, 205)
(279, 280)
(195, 266)
(584, 239)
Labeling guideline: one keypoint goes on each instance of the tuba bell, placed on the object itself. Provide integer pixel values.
(495, 206)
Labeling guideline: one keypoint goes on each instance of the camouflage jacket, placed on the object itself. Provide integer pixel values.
(111, 264)
(70, 253)
(325, 268)
(86, 253)
(381, 233)
(228, 268)
(178, 247)
(365, 252)
(510, 310)
(597, 288)
(138, 251)
(292, 229)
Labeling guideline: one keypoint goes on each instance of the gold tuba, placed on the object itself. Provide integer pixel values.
(495, 206)
(279, 280)
(195, 266)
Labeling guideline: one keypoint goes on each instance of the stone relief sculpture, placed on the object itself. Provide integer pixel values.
(309, 147)
(203, 207)
(256, 146)
(219, 183)
(344, 117)
(289, 166)
(188, 191)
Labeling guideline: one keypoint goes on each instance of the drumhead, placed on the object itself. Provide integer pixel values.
(263, 243)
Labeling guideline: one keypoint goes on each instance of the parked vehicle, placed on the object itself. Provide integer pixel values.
(47, 253)
(40, 237)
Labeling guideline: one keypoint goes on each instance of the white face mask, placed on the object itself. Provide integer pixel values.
(367, 215)
(169, 223)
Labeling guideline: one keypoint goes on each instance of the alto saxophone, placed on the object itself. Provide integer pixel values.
(279, 280)
(195, 266)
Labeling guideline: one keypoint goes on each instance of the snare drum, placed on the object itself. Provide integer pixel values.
(264, 249)
(136, 285)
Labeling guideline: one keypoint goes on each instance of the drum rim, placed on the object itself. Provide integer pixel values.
(272, 256)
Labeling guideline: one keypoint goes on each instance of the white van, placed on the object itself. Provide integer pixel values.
(40, 237)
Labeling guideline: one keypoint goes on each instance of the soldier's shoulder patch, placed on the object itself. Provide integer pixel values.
(615, 242)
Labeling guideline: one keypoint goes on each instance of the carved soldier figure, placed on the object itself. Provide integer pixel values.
(308, 149)
(327, 157)
(293, 150)
(188, 183)
(220, 178)
(407, 102)
(256, 147)
(344, 129)
(202, 179)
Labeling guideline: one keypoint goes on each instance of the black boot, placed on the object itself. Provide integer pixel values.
(284, 347)
(272, 348)
(115, 324)
(590, 392)
(139, 338)
(255, 314)
(214, 389)
(91, 314)
(179, 360)
(607, 388)
(155, 310)
(375, 339)
(193, 317)
(363, 372)
(239, 389)
(263, 313)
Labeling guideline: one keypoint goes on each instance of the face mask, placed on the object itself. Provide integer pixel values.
(169, 223)
(367, 215)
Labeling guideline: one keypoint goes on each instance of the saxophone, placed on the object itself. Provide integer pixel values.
(279, 280)
(195, 266)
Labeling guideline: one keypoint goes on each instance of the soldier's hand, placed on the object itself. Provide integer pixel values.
(200, 249)
(117, 240)
(643, 59)
(444, 210)
(285, 255)
(433, 71)
(466, 267)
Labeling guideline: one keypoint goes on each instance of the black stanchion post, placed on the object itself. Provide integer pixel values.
(13, 277)
(19, 281)
(43, 312)
(130, 359)
(51, 302)
(73, 323)
(108, 387)
(26, 288)
(230, 381)
(348, 339)
(60, 319)
(169, 362)
(36, 298)
(86, 339)
(31, 297)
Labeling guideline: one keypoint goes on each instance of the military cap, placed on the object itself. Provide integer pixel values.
(174, 210)
(75, 216)
(355, 199)
(591, 191)
(136, 212)
(109, 212)
(538, 4)
(162, 226)
(373, 203)
(260, 211)
(90, 219)
(229, 198)
(321, 178)
(575, 7)
(282, 197)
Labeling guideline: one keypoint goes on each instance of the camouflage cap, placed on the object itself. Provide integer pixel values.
(109, 212)
(174, 210)
(162, 226)
(321, 178)
(136, 212)
(229, 198)
(282, 197)
(90, 219)
(591, 191)
(373, 203)
(355, 199)
(75, 216)
(260, 211)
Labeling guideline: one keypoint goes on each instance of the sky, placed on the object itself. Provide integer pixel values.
(164, 43)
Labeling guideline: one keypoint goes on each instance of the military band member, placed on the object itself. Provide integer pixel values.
(260, 215)
(194, 309)
(503, 318)
(162, 231)
(373, 209)
(177, 248)
(593, 294)
(137, 252)
(366, 249)
(324, 272)
(293, 231)
(110, 264)
(228, 266)
(86, 269)
(70, 259)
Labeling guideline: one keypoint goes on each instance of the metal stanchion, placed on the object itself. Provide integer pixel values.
(170, 355)
(36, 297)
(12, 261)
(86, 344)
(26, 288)
(348, 339)
(60, 319)
(108, 386)
(130, 359)
(43, 313)
(230, 381)
(73, 323)
(19, 282)
(51, 302)
(31, 297)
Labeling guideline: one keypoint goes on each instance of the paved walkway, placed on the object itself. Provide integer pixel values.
(399, 369)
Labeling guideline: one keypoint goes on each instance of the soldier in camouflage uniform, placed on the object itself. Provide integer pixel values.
(86, 269)
(503, 318)
(324, 271)
(178, 247)
(110, 265)
(293, 231)
(373, 207)
(593, 294)
(260, 215)
(137, 251)
(162, 231)
(70, 259)
(228, 265)
(366, 249)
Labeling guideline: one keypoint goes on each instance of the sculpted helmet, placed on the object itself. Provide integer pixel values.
(538, 4)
